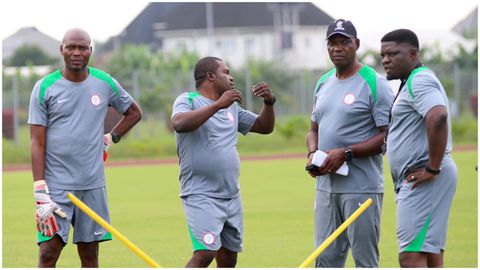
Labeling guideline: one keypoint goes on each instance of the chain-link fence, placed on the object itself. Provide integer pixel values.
(294, 91)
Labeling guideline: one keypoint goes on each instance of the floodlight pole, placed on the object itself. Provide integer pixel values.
(210, 27)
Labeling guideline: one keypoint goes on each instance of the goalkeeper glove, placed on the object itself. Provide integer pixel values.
(46, 208)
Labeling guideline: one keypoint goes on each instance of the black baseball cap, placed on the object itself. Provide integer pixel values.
(341, 27)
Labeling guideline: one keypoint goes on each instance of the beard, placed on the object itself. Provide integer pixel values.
(391, 77)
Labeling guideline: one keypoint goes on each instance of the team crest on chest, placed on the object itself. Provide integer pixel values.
(95, 100)
(349, 99)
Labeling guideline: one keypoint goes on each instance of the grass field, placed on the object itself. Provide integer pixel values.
(278, 215)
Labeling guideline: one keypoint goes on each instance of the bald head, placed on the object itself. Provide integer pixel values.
(76, 50)
(76, 34)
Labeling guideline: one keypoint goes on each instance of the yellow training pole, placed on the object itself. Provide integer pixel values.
(112, 230)
(336, 233)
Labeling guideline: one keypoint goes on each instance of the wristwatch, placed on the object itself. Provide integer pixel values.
(270, 102)
(115, 137)
(348, 154)
(433, 171)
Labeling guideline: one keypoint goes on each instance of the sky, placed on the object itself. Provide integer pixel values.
(106, 18)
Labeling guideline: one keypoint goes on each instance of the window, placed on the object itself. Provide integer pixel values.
(287, 40)
(181, 44)
(249, 46)
(225, 44)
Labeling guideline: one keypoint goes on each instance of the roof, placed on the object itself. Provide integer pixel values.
(183, 16)
(468, 27)
(30, 36)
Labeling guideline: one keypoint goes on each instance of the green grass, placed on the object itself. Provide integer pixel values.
(278, 205)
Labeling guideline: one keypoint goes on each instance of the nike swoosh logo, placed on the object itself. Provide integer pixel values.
(98, 233)
(360, 204)
(62, 100)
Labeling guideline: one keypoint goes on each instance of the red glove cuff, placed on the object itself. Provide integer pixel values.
(40, 185)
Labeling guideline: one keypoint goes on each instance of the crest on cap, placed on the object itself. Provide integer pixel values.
(341, 27)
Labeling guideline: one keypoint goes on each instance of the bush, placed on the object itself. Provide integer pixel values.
(465, 130)
(293, 127)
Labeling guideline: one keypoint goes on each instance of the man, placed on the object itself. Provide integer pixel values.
(206, 122)
(67, 111)
(418, 148)
(349, 122)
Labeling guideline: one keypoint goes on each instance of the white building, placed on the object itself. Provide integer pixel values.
(32, 37)
(292, 33)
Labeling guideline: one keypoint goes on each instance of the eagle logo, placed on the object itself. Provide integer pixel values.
(339, 26)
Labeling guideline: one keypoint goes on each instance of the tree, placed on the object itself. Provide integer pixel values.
(280, 79)
(159, 76)
(30, 55)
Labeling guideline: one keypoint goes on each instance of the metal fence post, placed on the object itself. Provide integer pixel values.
(15, 107)
(248, 92)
